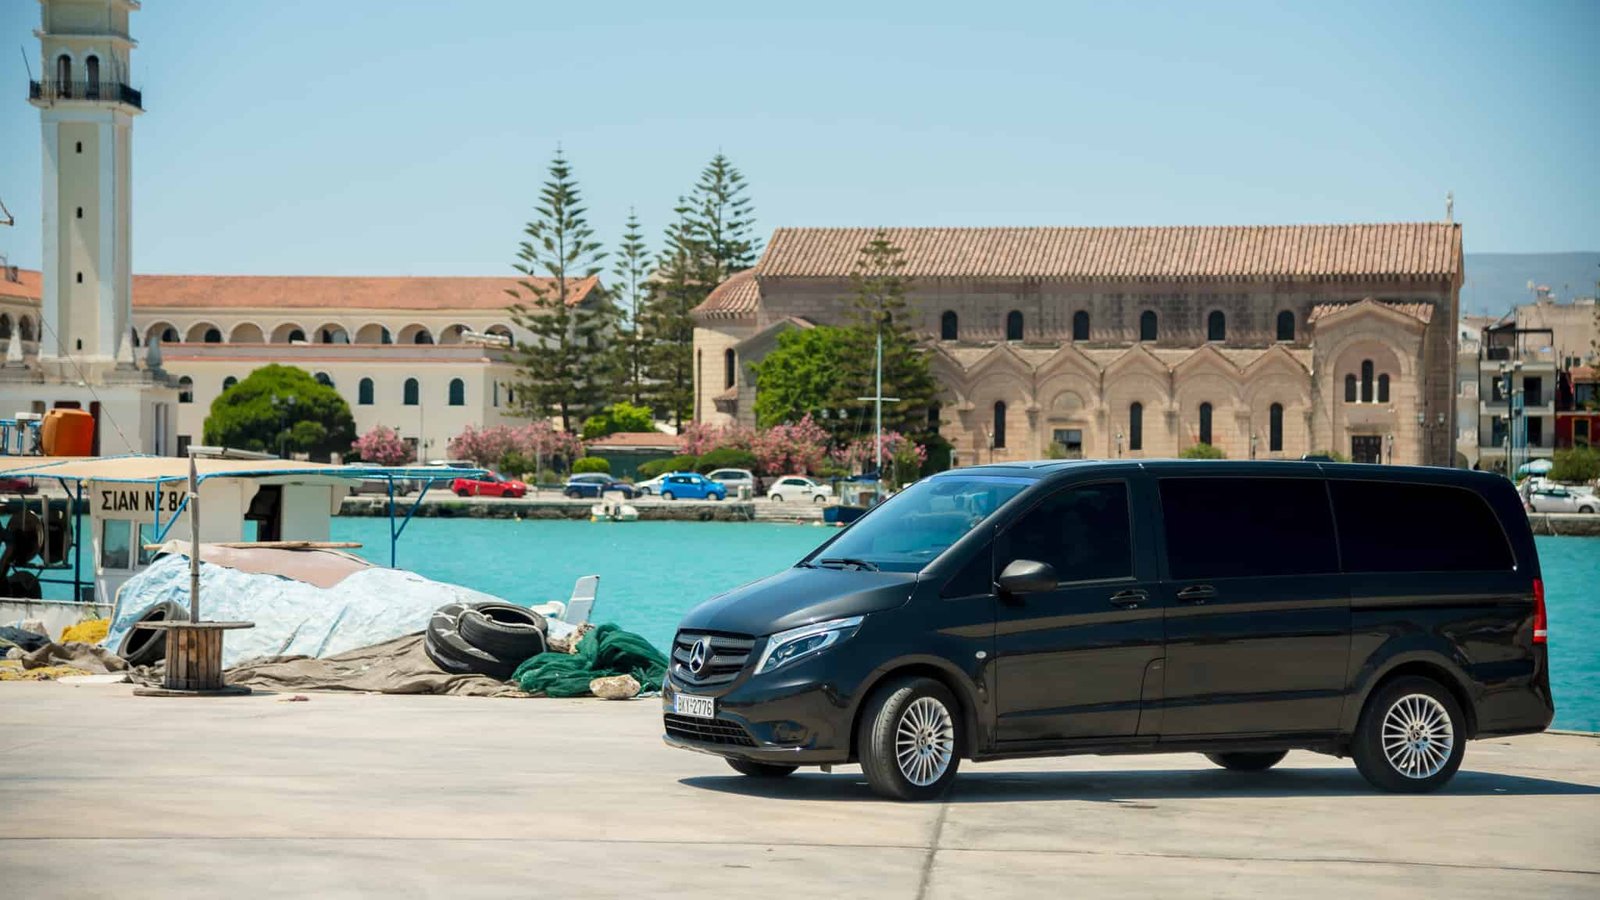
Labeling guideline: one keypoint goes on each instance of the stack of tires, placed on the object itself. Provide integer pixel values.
(483, 638)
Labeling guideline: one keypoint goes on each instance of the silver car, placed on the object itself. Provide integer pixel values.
(1562, 500)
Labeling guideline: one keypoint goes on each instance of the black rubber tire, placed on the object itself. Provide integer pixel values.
(719, 497)
(461, 492)
(759, 769)
(818, 498)
(148, 646)
(1367, 748)
(775, 498)
(1248, 761)
(503, 630)
(875, 741)
(443, 643)
(667, 495)
(574, 494)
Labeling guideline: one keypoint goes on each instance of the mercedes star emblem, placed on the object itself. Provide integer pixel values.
(700, 656)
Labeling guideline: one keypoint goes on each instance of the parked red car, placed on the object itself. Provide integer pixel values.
(491, 485)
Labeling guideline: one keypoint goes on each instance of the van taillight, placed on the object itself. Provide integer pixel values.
(1541, 624)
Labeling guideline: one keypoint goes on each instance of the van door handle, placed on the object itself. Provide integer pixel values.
(1198, 593)
(1129, 599)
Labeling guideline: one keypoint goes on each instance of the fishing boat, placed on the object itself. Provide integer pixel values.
(95, 522)
(613, 509)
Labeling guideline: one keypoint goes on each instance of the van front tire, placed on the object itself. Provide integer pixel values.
(910, 740)
(1411, 737)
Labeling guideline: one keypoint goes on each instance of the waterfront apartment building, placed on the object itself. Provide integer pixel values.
(1267, 342)
(425, 356)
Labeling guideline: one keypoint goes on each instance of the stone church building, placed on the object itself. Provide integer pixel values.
(1266, 342)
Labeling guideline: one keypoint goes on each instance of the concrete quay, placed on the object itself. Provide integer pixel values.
(107, 794)
(551, 505)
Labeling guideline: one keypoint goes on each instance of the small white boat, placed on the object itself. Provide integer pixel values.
(612, 509)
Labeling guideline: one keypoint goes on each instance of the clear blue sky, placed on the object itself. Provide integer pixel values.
(365, 137)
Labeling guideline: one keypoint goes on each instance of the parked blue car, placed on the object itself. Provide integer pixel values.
(593, 484)
(690, 486)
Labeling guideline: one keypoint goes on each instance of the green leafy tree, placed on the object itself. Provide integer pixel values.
(562, 371)
(1201, 451)
(800, 375)
(281, 409)
(632, 271)
(722, 220)
(1577, 465)
(619, 416)
(588, 464)
(879, 307)
(667, 328)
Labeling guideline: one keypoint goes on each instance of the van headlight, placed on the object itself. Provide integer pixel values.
(798, 643)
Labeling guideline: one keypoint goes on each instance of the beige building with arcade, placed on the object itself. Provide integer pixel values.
(1266, 342)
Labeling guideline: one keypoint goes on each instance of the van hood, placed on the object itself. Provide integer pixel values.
(800, 596)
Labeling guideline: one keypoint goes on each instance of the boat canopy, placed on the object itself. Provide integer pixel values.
(140, 469)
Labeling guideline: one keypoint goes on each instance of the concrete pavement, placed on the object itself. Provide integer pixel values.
(105, 794)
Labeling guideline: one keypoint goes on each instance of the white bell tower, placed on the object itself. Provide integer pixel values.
(86, 109)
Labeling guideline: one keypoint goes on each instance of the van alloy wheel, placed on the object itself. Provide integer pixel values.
(925, 741)
(1417, 737)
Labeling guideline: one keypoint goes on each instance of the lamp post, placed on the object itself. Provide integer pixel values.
(1389, 446)
(1119, 443)
(284, 406)
(1253, 440)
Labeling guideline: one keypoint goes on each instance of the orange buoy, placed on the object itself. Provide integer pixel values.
(67, 432)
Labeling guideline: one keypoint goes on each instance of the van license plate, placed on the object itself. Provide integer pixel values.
(690, 705)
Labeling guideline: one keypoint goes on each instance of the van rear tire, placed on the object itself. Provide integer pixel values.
(1411, 737)
(910, 739)
(1247, 761)
(759, 769)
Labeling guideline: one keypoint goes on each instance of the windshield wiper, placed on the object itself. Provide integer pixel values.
(849, 561)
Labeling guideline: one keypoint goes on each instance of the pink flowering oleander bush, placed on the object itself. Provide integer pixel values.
(382, 445)
(791, 448)
(492, 445)
(902, 457)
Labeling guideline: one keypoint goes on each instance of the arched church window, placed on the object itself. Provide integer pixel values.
(1350, 388)
(1275, 428)
(1216, 327)
(1383, 388)
(91, 74)
(1366, 381)
(423, 336)
(324, 380)
(25, 329)
(64, 75)
(229, 382)
(410, 391)
(730, 368)
(1136, 426)
(1080, 326)
(213, 336)
(185, 389)
(998, 441)
(364, 392)
(1014, 326)
(1205, 423)
(5, 325)
(297, 336)
(1286, 326)
(1147, 325)
(949, 326)
(458, 392)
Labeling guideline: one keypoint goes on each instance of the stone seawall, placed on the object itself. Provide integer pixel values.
(1565, 524)
(450, 507)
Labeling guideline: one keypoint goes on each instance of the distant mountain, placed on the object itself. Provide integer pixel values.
(1498, 281)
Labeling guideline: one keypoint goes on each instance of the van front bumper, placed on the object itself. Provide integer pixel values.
(792, 719)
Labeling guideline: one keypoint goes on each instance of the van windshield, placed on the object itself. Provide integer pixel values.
(921, 522)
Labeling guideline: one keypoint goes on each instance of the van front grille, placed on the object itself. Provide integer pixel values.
(707, 731)
(727, 656)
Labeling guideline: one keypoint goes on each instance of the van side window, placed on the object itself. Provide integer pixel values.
(1389, 527)
(1083, 532)
(1237, 527)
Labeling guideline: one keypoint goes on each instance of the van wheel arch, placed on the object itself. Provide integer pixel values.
(1433, 672)
(957, 687)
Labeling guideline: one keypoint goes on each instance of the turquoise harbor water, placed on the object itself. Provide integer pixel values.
(651, 572)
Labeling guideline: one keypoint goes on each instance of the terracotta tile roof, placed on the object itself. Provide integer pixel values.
(634, 440)
(28, 284)
(1422, 311)
(735, 298)
(327, 292)
(1426, 250)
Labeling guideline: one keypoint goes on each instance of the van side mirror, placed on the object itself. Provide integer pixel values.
(1025, 576)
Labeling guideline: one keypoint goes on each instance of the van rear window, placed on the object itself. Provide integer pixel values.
(1394, 527)
(1236, 527)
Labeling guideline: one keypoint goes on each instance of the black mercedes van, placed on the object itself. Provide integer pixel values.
(1239, 609)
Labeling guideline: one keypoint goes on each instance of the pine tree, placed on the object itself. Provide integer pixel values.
(879, 305)
(561, 372)
(666, 327)
(722, 219)
(633, 271)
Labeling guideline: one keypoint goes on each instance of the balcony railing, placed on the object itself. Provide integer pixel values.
(99, 91)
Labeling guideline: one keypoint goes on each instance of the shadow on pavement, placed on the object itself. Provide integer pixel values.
(1117, 787)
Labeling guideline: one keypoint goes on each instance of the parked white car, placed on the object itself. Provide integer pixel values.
(799, 488)
(652, 487)
(1561, 499)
